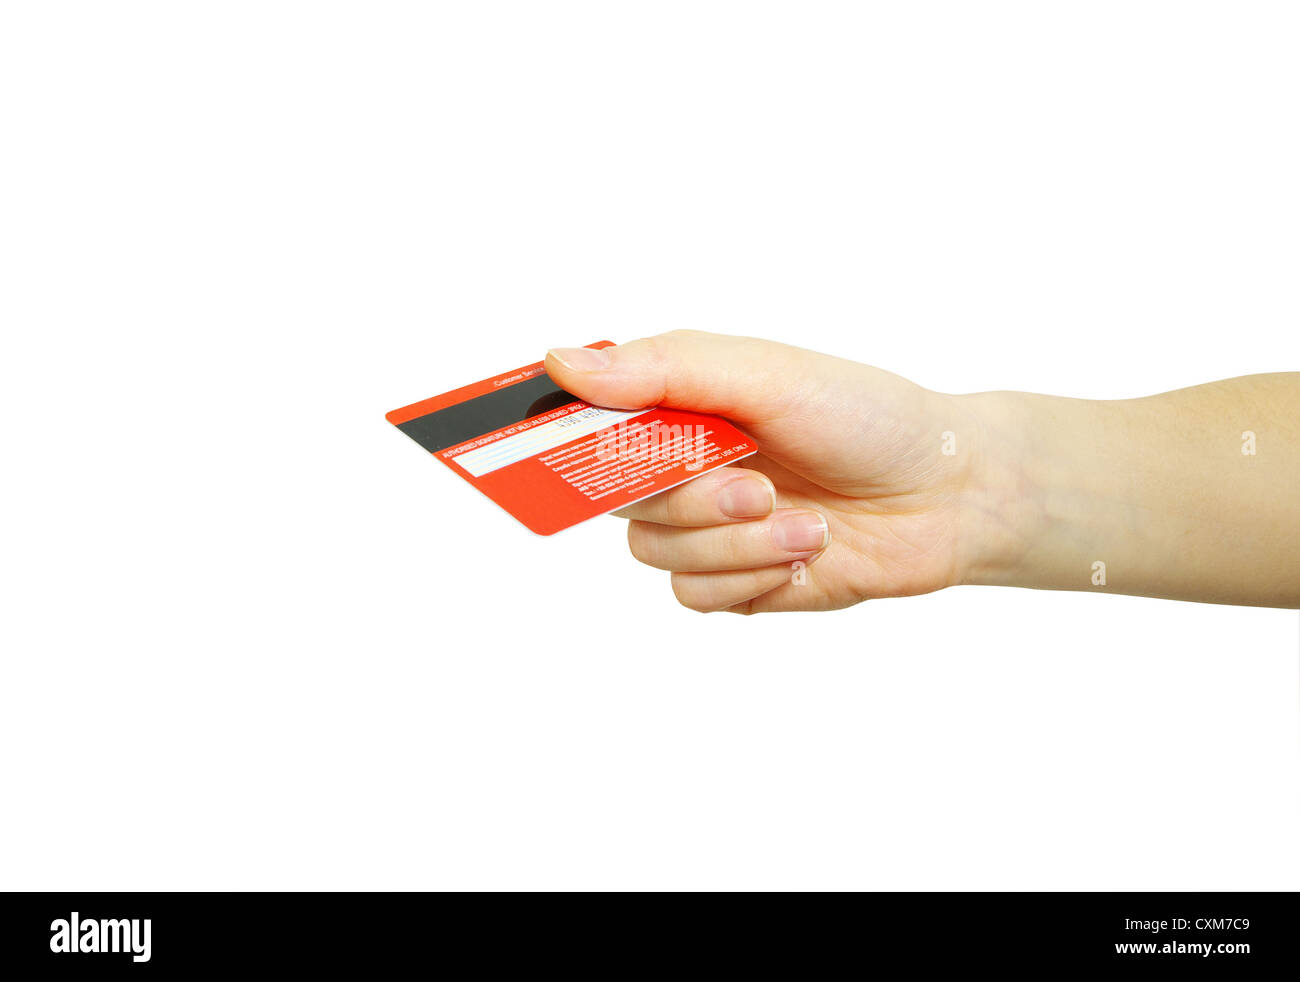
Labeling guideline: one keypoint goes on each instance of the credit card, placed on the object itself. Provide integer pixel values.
(552, 460)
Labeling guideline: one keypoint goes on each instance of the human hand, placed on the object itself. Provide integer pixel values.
(851, 478)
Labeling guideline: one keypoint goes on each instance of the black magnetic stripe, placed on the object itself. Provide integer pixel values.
(447, 427)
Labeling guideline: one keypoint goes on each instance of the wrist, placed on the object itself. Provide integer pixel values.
(1028, 508)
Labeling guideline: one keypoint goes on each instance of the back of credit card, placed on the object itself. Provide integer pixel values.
(552, 460)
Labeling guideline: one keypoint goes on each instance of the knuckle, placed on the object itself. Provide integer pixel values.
(677, 506)
(735, 547)
(642, 541)
(690, 595)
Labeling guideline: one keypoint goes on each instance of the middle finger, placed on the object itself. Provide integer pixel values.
(787, 534)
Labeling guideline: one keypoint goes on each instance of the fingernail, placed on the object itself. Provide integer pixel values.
(581, 359)
(746, 497)
(802, 532)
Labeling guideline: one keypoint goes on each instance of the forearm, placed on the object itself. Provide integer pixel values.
(1158, 491)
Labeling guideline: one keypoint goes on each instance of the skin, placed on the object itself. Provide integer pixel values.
(854, 481)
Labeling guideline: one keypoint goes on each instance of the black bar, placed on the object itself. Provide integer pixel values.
(447, 427)
(804, 936)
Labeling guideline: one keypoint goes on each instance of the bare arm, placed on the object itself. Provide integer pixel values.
(1189, 495)
(878, 487)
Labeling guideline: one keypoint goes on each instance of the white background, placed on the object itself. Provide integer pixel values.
(253, 637)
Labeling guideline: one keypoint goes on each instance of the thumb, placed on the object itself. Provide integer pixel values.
(742, 378)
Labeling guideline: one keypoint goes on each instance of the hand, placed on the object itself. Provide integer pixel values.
(851, 477)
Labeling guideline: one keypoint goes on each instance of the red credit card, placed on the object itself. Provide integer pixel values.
(552, 460)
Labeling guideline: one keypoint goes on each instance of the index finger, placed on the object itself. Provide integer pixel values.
(729, 494)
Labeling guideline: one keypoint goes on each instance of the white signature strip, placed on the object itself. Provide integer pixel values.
(511, 449)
